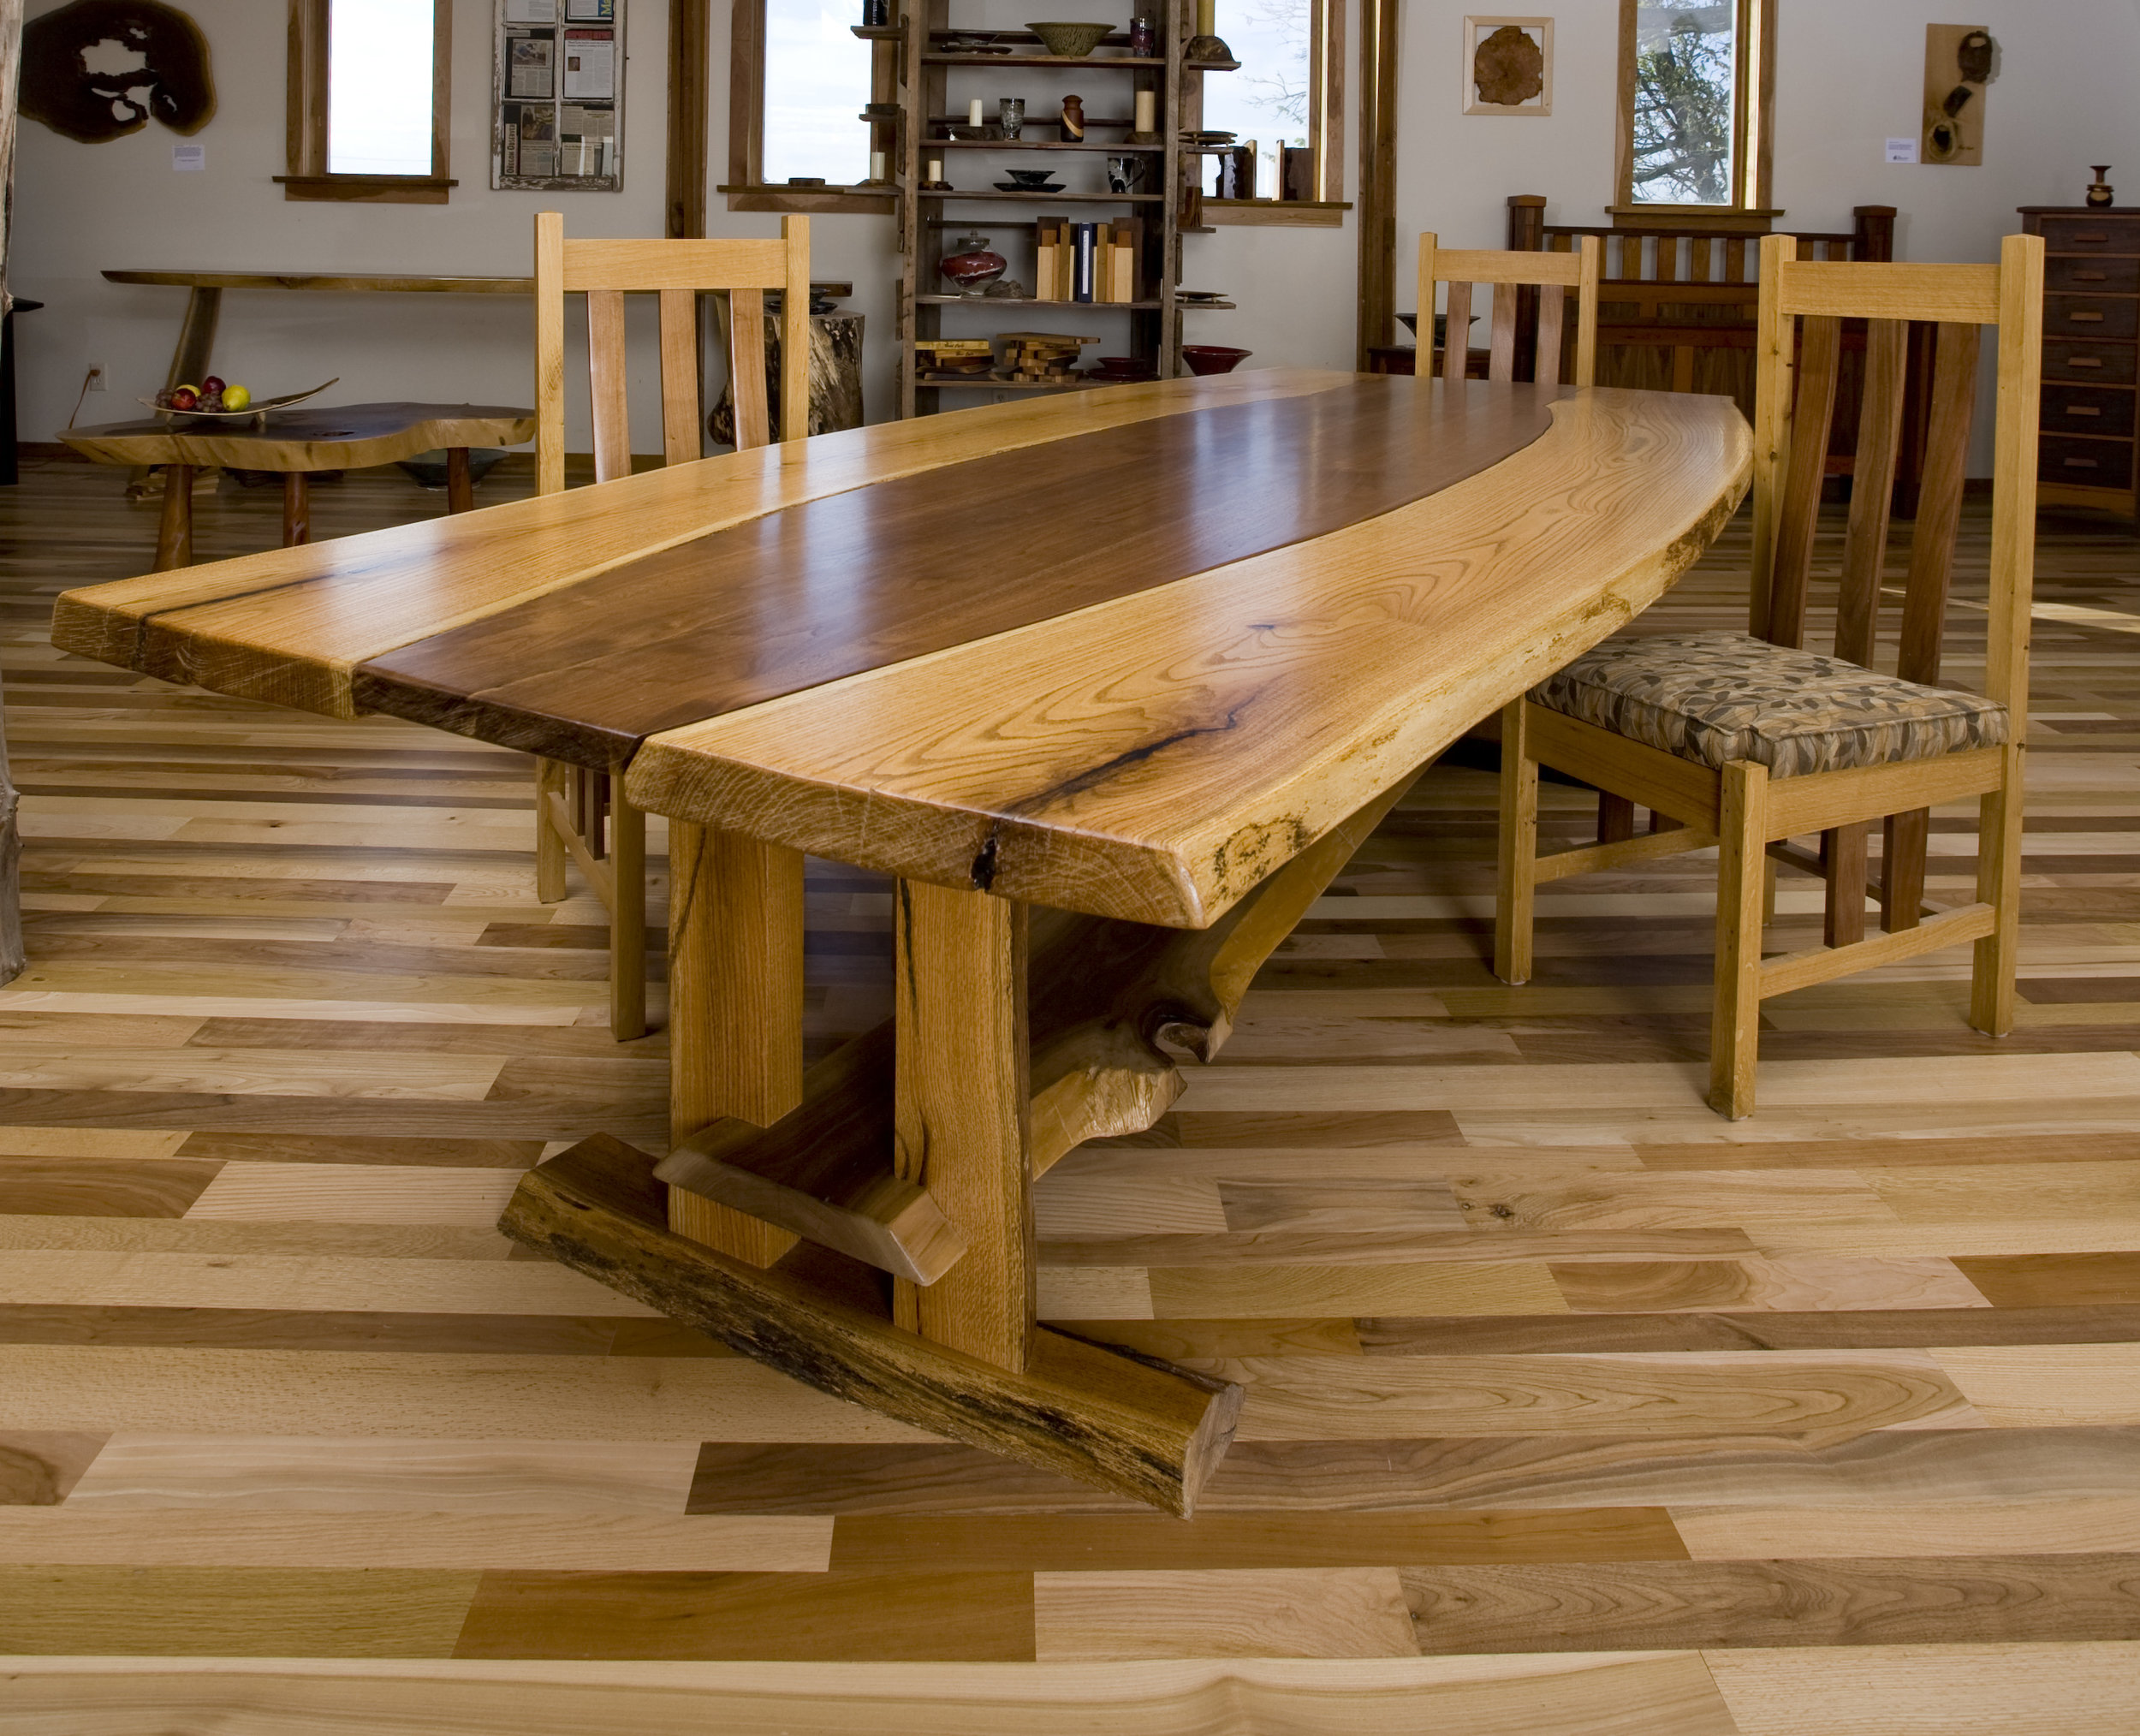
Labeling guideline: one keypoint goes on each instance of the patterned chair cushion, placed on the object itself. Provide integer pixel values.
(1715, 697)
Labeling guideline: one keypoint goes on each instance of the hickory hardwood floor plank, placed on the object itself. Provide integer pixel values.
(1783, 1342)
(1330, 1612)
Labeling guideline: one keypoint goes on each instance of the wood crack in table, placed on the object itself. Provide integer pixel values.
(1112, 684)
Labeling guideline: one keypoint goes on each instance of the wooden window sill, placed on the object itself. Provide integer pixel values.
(369, 189)
(853, 200)
(1279, 213)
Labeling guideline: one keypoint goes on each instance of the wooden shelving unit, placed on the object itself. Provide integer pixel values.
(916, 75)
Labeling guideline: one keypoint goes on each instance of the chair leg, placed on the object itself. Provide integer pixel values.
(1769, 889)
(1517, 883)
(1842, 851)
(1735, 1027)
(1999, 885)
(551, 778)
(1902, 870)
(1615, 818)
(627, 921)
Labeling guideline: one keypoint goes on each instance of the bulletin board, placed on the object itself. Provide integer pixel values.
(557, 96)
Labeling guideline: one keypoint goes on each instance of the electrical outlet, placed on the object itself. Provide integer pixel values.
(95, 377)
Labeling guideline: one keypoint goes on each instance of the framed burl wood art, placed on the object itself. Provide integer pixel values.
(1508, 66)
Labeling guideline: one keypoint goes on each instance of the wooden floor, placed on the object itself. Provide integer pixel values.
(1572, 1408)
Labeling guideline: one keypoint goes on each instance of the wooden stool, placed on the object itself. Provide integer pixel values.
(297, 443)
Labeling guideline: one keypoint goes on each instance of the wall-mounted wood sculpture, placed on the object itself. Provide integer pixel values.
(1508, 66)
(1958, 62)
(99, 69)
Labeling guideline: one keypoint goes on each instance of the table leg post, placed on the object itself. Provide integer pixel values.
(735, 993)
(297, 508)
(461, 488)
(962, 1120)
(174, 528)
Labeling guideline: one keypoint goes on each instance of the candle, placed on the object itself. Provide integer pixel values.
(876, 165)
(936, 168)
(974, 112)
(1145, 120)
(1207, 17)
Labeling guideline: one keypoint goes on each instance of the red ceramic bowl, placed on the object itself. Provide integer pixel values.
(1213, 358)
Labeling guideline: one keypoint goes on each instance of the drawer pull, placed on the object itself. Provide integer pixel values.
(2090, 276)
(2098, 239)
(2080, 464)
(2084, 361)
(2079, 410)
(2091, 318)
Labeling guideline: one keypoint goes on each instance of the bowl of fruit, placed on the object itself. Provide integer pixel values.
(221, 399)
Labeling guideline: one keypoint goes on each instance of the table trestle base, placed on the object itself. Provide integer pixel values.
(1111, 1419)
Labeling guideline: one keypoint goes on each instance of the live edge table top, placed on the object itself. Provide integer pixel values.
(1121, 652)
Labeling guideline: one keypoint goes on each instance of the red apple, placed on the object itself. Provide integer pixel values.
(184, 398)
(210, 386)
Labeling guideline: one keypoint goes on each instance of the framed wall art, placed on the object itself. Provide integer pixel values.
(557, 101)
(1508, 66)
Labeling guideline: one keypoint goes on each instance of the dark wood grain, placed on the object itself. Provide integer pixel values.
(1647, 1606)
(2098, 1322)
(882, 574)
(909, 1616)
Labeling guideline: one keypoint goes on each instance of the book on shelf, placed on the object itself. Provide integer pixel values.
(1049, 231)
(1084, 244)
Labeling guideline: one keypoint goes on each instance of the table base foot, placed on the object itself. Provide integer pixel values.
(1128, 1424)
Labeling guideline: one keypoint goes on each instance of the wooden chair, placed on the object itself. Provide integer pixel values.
(1746, 741)
(1507, 272)
(580, 811)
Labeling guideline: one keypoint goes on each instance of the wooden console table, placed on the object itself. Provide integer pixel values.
(1108, 791)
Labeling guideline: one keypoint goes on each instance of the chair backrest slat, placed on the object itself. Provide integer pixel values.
(1551, 310)
(1872, 489)
(1501, 343)
(680, 376)
(1953, 397)
(677, 272)
(1889, 296)
(1798, 516)
(747, 368)
(1556, 276)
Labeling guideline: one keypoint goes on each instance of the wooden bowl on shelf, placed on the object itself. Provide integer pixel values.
(1071, 41)
(1213, 358)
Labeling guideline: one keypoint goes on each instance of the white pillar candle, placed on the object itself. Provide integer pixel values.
(876, 165)
(1145, 101)
(974, 112)
(1207, 17)
(936, 168)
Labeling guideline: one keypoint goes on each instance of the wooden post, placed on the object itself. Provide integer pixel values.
(461, 488)
(174, 527)
(735, 970)
(10, 834)
(689, 37)
(1527, 235)
(1378, 182)
(297, 508)
(960, 1117)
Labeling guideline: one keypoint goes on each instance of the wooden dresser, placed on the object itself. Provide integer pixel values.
(2092, 355)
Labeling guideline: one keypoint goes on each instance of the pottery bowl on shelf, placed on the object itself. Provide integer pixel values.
(1071, 41)
(1030, 177)
(1213, 358)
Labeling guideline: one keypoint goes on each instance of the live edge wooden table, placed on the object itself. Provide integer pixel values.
(297, 443)
(1112, 683)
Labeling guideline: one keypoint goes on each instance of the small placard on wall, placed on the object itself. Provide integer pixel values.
(186, 157)
(1902, 151)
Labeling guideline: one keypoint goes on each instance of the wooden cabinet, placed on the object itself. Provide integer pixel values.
(2092, 355)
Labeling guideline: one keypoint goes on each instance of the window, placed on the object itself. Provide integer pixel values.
(801, 79)
(367, 99)
(1695, 77)
(1287, 92)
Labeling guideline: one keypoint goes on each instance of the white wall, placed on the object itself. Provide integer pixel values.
(1849, 75)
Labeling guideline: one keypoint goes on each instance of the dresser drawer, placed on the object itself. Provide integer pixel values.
(2099, 363)
(2090, 316)
(2085, 463)
(2084, 235)
(2087, 410)
(2106, 276)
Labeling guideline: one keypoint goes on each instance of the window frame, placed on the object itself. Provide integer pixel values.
(306, 94)
(746, 189)
(1326, 137)
(1753, 119)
